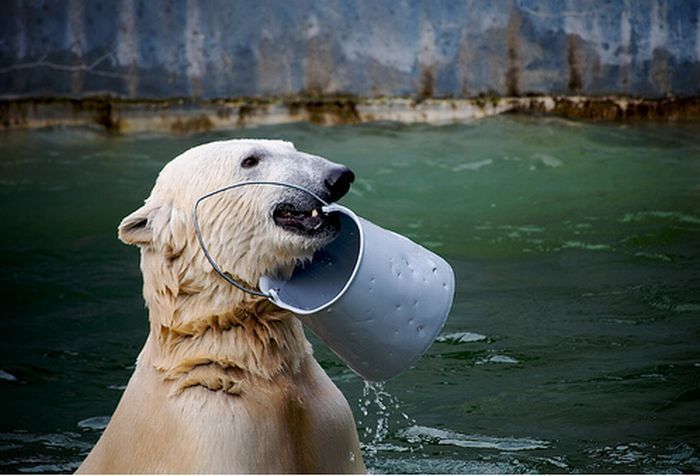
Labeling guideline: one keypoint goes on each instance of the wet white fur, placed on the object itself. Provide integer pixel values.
(226, 382)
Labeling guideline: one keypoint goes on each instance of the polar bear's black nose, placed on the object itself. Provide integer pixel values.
(338, 182)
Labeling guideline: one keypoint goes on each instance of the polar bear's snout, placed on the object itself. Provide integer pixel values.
(300, 213)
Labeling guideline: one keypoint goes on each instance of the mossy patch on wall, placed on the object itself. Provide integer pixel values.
(182, 116)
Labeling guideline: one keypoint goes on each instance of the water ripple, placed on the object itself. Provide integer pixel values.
(428, 435)
(677, 216)
(8, 377)
(497, 359)
(460, 338)
(679, 457)
(446, 466)
(94, 423)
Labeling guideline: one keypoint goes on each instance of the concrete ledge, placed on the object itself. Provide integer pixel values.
(182, 116)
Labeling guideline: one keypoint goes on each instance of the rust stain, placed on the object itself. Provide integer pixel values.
(199, 123)
(76, 76)
(223, 112)
(325, 111)
(659, 71)
(245, 111)
(512, 76)
(463, 61)
(464, 93)
(427, 84)
(609, 109)
(12, 115)
(319, 64)
(573, 62)
(596, 68)
(76, 28)
(102, 111)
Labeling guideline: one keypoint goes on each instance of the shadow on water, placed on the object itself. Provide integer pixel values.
(572, 345)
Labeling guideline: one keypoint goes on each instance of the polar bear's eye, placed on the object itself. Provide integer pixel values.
(250, 161)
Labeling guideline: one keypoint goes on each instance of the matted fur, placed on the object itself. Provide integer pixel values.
(226, 382)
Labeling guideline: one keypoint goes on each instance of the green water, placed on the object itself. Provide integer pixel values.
(574, 340)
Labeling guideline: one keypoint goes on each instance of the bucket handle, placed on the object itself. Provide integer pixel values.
(198, 231)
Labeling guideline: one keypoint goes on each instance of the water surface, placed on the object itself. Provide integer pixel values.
(572, 345)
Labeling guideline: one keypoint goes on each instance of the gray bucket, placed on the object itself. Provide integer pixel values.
(376, 298)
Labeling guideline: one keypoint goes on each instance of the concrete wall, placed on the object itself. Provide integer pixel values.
(369, 48)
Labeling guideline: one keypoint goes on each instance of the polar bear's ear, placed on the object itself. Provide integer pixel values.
(136, 228)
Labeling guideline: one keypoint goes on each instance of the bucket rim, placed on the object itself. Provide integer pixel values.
(274, 297)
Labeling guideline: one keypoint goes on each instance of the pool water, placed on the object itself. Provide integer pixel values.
(574, 340)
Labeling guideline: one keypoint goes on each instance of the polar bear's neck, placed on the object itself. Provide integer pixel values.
(220, 338)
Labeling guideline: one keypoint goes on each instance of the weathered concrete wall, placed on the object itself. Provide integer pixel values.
(368, 48)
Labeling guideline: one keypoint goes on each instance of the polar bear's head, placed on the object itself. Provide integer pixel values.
(250, 231)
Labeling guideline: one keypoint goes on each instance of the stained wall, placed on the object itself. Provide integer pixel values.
(138, 49)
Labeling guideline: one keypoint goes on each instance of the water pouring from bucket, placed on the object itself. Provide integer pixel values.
(376, 298)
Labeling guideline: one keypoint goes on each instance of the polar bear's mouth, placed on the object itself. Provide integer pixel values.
(311, 221)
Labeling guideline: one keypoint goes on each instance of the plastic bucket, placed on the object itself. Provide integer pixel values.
(376, 298)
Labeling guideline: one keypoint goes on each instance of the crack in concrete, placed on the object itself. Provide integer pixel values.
(88, 68)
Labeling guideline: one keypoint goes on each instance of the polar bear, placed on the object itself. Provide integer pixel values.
(226, 381)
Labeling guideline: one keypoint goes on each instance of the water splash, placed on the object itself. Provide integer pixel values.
(380, 411)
